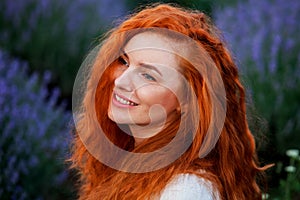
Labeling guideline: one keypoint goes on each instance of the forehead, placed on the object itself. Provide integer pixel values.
(150, 40)
(152, 47)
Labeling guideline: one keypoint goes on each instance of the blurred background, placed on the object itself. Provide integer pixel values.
(43, 43)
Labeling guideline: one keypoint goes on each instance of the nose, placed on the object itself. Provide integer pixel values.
(124, 81)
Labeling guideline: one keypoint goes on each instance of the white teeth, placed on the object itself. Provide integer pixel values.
(123, 101)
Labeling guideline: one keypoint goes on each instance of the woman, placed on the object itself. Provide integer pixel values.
(163, 114)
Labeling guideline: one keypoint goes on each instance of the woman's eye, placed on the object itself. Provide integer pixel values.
(149, 77)
(123, 61)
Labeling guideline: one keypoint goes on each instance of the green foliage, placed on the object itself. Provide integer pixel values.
(276, 97)
(203, 5)
(289, 187)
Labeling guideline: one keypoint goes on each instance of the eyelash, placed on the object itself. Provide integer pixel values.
(148, 77)
(123, 61)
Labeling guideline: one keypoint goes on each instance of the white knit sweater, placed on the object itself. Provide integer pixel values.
(189, 187)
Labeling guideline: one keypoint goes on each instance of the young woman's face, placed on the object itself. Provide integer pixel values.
(147, 84)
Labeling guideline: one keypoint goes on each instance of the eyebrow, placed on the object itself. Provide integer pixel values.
(145, 65)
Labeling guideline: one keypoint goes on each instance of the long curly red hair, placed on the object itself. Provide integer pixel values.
(231, 166)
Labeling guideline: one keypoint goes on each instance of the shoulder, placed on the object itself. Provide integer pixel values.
(188, 187)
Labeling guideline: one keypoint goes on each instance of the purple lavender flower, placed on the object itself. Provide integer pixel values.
(265, 28)
(34, 133)
(264, 36)
(55, 34)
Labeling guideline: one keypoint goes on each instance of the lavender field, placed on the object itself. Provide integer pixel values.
(42, 44)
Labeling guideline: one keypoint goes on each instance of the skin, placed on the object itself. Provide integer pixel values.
(148, 86)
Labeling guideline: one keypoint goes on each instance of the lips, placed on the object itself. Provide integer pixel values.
(124, 101)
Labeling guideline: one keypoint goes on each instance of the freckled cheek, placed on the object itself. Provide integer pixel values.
(156, 95)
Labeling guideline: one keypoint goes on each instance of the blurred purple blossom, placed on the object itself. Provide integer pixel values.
(264, 37)
(55, 34)
(77, 14)
(262, 32)
(34, 131)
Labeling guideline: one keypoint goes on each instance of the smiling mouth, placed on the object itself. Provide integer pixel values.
(125, 101)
